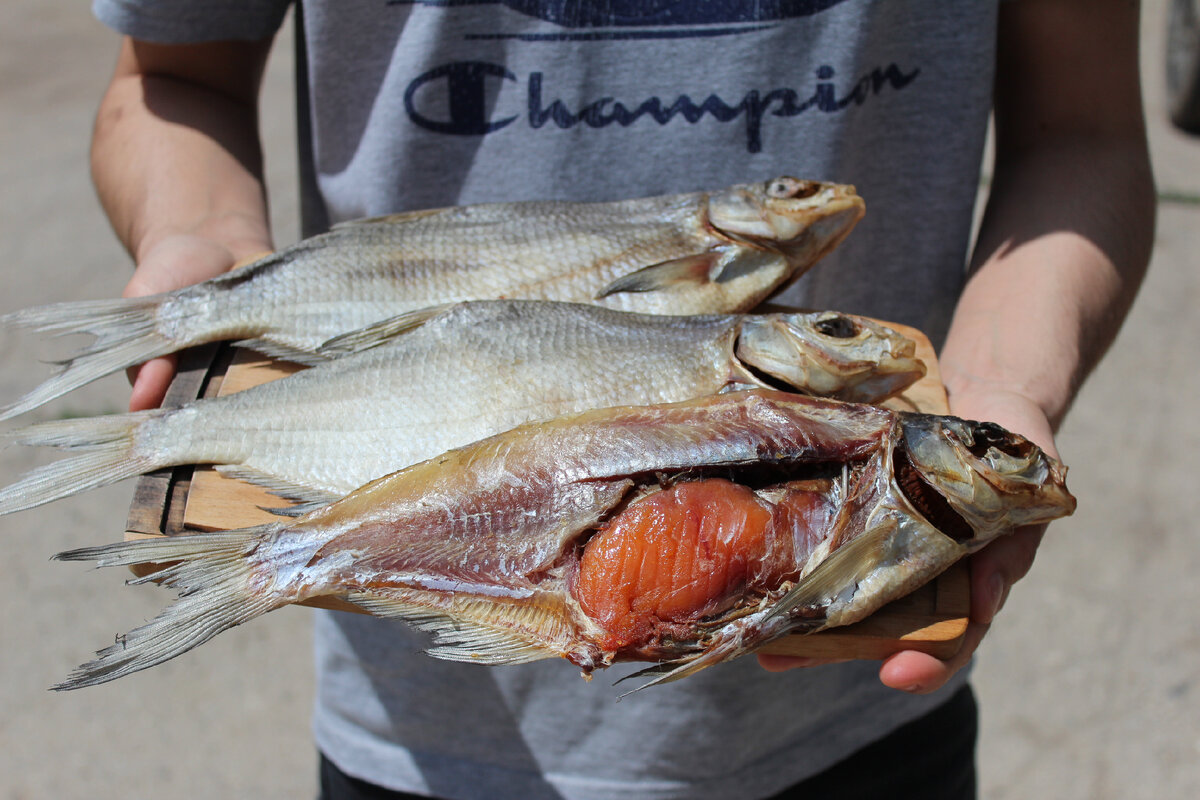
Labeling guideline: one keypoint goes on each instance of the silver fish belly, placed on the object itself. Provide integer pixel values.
(696, 253)
(447, 377)
(783, 513)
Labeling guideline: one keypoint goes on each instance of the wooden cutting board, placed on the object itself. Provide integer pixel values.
(932, 619)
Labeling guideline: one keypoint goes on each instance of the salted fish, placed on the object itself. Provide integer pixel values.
(443, 377)
(696, 253)
(537, 542)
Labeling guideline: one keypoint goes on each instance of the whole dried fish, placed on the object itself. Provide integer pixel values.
(444, 377)
(697, 253)
(687, 534)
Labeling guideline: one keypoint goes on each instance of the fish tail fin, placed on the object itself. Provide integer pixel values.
(125, 333)
(110, 454)
(213, 572)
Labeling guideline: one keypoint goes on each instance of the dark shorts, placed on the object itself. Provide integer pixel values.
(932, 757)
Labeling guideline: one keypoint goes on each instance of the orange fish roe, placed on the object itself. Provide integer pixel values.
(673, 556)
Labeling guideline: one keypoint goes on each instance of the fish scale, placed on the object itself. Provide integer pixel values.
(447, 377)
(399, 546)
(697, 253)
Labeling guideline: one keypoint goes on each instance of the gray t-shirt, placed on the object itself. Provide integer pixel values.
(419, 103)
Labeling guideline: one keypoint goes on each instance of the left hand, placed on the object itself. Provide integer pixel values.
(994, 569)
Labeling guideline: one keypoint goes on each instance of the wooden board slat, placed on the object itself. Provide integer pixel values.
(159, 497)
(932, 619)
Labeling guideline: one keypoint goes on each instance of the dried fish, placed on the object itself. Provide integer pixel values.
(686, 534)
(445, 377)
(696, 253)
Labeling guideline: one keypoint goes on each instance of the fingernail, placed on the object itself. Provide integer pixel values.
(914, 688)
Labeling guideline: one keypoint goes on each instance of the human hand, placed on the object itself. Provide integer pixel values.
(994, 569)
(170, 263)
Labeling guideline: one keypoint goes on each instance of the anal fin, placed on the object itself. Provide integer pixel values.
(288, 490)
(379, 333)
(281, 350)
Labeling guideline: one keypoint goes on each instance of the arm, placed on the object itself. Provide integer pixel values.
(177, 164)
(1064, 244)
(1065, 241)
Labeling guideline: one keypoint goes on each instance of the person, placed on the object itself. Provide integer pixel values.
(418, 104)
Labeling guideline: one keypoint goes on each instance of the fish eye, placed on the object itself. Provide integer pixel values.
(989, 435)
(837, 327)
(793, 188)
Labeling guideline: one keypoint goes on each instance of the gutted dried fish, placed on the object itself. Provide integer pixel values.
(686, 534)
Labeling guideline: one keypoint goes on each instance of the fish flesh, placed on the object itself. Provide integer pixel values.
(696, 253)
(411, 388)
(684, 534)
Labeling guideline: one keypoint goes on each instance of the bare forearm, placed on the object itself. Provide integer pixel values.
(172, 156)
(1069, 223)
(178, 167)
(1062, 250)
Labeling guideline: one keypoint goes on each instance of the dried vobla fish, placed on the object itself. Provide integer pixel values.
(443, 378)
(685, 534)
(697, 253)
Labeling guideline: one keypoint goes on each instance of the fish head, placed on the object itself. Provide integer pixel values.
(831, 354)
(990, 479)
(801, 219)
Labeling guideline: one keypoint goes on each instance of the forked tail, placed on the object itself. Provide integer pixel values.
(125, 334)
(110, 455)
(213, 572)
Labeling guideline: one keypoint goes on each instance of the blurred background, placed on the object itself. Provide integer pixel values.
(1089, 682)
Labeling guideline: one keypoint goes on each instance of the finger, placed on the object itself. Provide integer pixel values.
(995, 568)
(151, 382)
(920, 673)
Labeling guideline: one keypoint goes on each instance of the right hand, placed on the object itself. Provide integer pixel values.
(171, 263)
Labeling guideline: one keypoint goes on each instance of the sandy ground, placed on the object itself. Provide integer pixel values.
(1089, 682)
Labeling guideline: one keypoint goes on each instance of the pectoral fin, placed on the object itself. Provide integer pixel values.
(838, 576)
(696, 269)
(680, 668)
